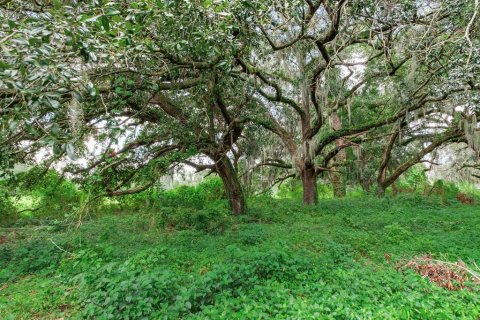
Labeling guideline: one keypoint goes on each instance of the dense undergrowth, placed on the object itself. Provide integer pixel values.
(281, 260)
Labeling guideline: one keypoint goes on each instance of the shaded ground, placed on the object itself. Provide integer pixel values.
(281, 261)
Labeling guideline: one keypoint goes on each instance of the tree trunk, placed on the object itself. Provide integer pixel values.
(381, 191)
(394, 189)
(365, 184)
(337, 179)
(309, 181)
(338, 185)
(231, 183)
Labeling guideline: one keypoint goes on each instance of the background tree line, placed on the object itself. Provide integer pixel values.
(257, 92)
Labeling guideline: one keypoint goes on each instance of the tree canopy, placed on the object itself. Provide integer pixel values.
(255, 91)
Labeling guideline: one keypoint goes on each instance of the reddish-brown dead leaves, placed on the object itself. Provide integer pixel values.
(448, 275)
(463, 198)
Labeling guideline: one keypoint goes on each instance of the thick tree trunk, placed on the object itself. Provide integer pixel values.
(309, 181)
(394, 189)
(381, 191)
(231, 183)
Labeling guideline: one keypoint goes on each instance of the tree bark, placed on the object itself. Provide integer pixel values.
(381, 191)
(231, 183)
(384, 180)
(338, 185)
(309, 182)
(337, 179)
(394, 189)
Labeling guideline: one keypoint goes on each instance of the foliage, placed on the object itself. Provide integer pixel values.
(33, 255)
(196, 197)
(293, 189)
(7, 208)
(40, 194)
(414, 179)
(57, 196)
(281, 260)
(213, 218)
(396, 233)
(446, 189)
(153, 84)
(103, 98)
(470, 189)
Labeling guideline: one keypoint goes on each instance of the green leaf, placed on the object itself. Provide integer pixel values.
(53, 103)
(105, 23)
(112, 12)
(71, 151)
(55, 129)
(4, 65)
(12, 24)
(92, 56)
(13, 125)
(57, 4)
(57, 150)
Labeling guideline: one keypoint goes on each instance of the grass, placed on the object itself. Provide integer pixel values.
(281, 261)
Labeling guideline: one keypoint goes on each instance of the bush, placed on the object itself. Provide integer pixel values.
(308, 262)
(195, 197)
(293, 190)
(470, 190)
(414, 179)
(397, 234)
(145, 287)
(39, 255)
(8, 213)
(214, 218)
(211, 189)
(446, 191)
(251, 236)
(121, 290)
(51, 195)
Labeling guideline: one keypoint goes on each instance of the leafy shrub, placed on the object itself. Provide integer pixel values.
(293, 190)
(120, 290)
(415, 179)
(396, 233)
(270, 210)
(470, 190)
(251, 236)
(444, 190)
(53, 196)
(325, 191)
(85, 259)
(186, 196)
(198, 196)
(410, 201)
(39, 255)
(214, 218)
(8, 213)
(314, 262)
(451, 190)
(139, 201)
(209, 190)
(143, 287)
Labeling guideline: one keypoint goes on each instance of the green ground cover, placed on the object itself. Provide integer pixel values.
(281, 261)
